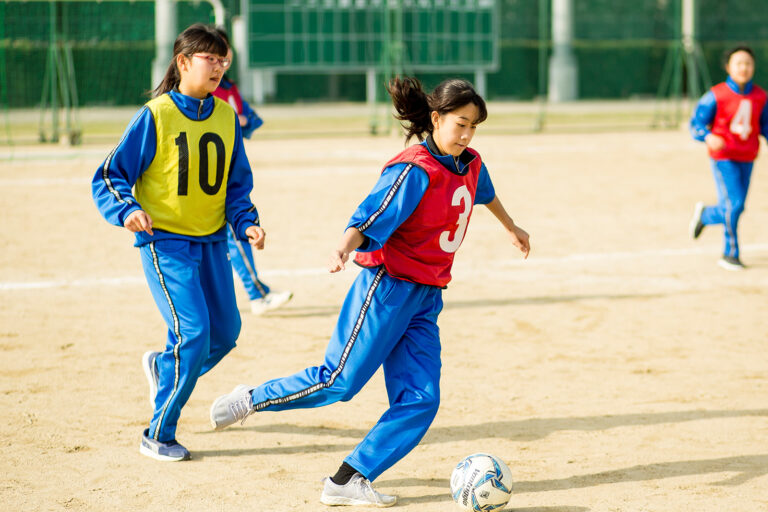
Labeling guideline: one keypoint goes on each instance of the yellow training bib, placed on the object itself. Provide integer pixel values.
(184, 189)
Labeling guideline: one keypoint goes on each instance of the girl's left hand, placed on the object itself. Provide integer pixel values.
(256, 236)
(521, 240)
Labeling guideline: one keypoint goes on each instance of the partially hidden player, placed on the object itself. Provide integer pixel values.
(406, 233)
(182, 154)
(729, 118)
(262, 298)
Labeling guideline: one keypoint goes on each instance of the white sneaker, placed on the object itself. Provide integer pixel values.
(358, 491)
(270, 301)
(231, 408)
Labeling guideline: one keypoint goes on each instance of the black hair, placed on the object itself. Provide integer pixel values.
(196, 38)
(223, 33)
(740, 48)
(415, 106)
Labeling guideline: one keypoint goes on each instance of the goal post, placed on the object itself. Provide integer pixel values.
(63, 55)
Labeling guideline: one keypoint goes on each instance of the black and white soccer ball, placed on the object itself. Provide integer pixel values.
(481, 482)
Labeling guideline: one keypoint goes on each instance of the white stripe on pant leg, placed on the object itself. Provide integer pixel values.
(344, 355)
(176, 332)
(728, 209)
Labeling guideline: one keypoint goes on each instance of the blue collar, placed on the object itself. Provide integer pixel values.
(458, 165)
(193, 108)
(735, 87)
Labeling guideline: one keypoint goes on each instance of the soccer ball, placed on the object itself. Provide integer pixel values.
(481, 482)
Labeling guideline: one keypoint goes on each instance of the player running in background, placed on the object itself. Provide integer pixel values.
(262, 298)
(406, 233)
(182, 154)
(729, 119)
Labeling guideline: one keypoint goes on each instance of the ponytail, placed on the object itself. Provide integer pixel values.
(411, 103)
(415, 106)
(170, 80)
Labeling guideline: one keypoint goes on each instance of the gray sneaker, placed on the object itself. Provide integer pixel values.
(231, 408)
(170, 451)
(731, 263)
(358, 491)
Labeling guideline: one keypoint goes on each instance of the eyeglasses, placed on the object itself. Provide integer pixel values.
(213, 60)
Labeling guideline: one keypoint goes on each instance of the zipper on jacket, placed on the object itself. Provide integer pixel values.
(200, 109)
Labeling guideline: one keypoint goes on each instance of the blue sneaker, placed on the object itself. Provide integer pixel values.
(149, 363)
(170, 451)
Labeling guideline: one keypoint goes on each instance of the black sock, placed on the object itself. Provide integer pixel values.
(344, 474)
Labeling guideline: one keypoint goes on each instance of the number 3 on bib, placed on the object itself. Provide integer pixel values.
(461, 195)
(741, 124)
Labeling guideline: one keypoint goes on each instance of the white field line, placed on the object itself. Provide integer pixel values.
(130, 280)
(463, 267)
(292, 172)
(615, 256)
(26, 182)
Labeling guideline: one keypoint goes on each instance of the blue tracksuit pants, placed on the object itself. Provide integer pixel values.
(193, 287)
(732, 181)
(241, 255)
(383, 321)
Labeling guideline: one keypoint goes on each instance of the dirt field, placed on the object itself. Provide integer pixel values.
(617, 369)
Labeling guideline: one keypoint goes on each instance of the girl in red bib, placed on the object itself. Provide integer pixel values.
(406, 233)
(729, 119)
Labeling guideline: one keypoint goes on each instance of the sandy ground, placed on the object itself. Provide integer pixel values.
(617, 369)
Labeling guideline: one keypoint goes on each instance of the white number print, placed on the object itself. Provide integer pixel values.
(741, 124)
(460, 195)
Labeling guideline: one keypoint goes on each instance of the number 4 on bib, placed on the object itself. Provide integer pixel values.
(741, 124)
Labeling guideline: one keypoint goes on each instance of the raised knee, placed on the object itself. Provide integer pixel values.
(427, 404)
(432, 405)
(343, 390)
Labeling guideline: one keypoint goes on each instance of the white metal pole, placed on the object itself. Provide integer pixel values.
(563, 71)
(218, 12)
(481, 84)
(240, 46)
(370, 87)
(689, 25)
(165, 35)
(688, 31)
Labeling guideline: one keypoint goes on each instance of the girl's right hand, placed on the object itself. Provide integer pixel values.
(138, 221)
(714, 142)
(521, 239)
(337, 260)
(351, 240)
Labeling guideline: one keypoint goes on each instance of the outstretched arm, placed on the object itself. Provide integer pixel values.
(351, 240)
(519, 236)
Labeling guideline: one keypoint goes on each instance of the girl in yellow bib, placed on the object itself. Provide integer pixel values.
(177, 177)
